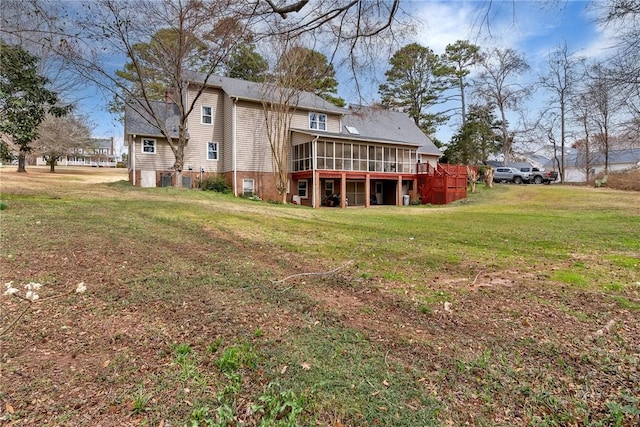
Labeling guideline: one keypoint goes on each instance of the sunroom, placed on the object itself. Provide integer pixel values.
(344, 170)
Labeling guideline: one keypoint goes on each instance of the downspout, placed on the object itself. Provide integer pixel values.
(314, 159)
(234, 148)
(133, 158)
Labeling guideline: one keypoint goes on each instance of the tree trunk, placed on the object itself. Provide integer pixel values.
(473, 177)
(178, 165)
(22, 160)
(52, 166)
(488, 178)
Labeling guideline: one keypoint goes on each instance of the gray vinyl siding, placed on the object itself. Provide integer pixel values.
(300, 120)
(200, 134)
(253, 149)
(162, 159)
(300, 138)
(226, 153)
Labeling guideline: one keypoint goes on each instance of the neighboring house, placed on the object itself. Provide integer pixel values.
(618, 160)
(99, 152)
(496, 164)
(359, 156)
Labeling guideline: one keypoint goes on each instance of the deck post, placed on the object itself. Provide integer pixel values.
(367, 190)
(343, 190)
(399, 192)
(317, 194)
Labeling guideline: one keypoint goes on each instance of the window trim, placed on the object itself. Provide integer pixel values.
(314, 120)
(203, 115)
(216, 151)
(306, 188)
(253, 186)
(142, 146)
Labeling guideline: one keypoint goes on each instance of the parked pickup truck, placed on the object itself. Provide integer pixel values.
(508, 174)
(537, 176)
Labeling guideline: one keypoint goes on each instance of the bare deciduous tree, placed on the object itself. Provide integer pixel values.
(497, 84)
(59, 137)
(601, 98)
(560, 81)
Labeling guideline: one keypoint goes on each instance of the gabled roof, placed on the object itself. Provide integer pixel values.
(136, 124)
(102, 142)
(252, 91)
(375, 122)
(379, 125)
(627, 156)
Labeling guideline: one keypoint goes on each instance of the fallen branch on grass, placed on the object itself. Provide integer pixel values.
(476, 279)
(31, 296)
(322, 273)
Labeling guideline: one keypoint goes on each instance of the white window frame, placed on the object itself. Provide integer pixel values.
(245, 186)
(204, 116)
(215, 151)
(153, 146)
(317, 121)
(303, 190)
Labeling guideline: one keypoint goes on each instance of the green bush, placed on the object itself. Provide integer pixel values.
(216, 183)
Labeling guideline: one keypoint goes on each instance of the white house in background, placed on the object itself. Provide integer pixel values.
(619, 160)
(362, 154)
(100, 152)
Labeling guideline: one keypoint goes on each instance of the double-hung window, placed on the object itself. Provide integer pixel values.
(207, 115)
(212, 151)
(318, 121)
(248, 187)
(302, 188)
(149, 146)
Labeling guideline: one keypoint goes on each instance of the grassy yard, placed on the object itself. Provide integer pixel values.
(517, 306)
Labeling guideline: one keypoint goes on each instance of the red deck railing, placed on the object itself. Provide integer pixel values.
(441, 184)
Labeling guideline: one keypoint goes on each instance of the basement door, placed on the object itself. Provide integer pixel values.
(356, 193)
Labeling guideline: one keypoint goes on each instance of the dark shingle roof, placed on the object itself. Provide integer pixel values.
(380, 125)
(136, 124)
(627, 156)
(372, 123)
(103, 142)
(253, 91)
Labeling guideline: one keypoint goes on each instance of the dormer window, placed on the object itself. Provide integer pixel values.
(318, 121)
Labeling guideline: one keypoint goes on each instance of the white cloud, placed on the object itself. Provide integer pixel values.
(442, 23)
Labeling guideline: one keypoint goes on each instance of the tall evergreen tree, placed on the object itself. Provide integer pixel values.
(414, 84)
(247, 64)
(459, 57)
(478, 138)
(312, 72)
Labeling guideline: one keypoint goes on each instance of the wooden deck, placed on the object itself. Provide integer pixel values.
(442, 184)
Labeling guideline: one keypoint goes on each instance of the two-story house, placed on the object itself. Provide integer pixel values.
(356, 156)
(98, 152)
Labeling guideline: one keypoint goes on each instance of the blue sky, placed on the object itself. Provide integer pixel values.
(534, 28)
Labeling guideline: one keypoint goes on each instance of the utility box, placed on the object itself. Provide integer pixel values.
(165, 179)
